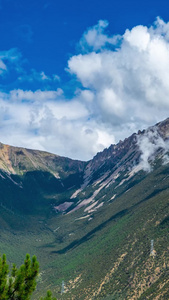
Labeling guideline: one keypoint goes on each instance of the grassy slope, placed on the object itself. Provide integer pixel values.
(107, 257)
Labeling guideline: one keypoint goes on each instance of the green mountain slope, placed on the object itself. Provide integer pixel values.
(91, 224)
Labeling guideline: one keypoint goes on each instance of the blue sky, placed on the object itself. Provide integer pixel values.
(76, 76)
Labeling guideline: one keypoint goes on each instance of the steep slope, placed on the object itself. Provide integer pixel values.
(91, 224)
(119, 163)
(28, 177)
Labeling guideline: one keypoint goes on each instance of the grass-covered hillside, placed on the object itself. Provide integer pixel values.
(91, 224)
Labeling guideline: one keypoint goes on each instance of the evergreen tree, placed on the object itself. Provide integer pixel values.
(22, 281)
(48, 296)
(3, 277)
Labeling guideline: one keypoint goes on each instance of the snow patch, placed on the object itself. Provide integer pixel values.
(81, 218)
(91, 206)
(96, 208)
(63, 207)
(75, 193)
(113, 197)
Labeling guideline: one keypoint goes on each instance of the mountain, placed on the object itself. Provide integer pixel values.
(32, 176)
(98, 228)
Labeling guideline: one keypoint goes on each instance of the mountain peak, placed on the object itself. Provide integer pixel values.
(91, 223)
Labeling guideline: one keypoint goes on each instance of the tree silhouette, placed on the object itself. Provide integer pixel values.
(21, 283)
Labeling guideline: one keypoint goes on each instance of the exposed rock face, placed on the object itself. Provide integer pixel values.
(75, 178)
(163, 128)
(126, 153)
(123, 160)
(91, 223)
(28, 177)
(17, 160)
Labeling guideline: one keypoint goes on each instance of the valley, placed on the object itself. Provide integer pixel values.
(91, 224)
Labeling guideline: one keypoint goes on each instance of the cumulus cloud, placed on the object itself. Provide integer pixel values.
(46, 120)
(129, 83)
(95, 38)
(38, 95)
(121, 85)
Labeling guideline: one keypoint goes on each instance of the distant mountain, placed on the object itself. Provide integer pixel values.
(99, 228)
(31, 176)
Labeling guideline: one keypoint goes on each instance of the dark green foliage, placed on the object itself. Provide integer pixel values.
(3, 277)
(48, 296)
(101, 253)
(22, 281)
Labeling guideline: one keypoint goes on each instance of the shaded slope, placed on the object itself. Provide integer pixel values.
(100, 243)
(114, 257)
(31, 180)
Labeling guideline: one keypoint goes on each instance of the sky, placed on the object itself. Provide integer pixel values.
(78, 76)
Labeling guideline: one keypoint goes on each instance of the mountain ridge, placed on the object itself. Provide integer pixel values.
(91, 223)
(101, 171)
(6, 150)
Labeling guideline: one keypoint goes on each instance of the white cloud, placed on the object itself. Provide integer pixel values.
(46, 120)
(95, 38)
(138, 37)
(9, 58)
(2, 67)
(21, 95)
(130, 83)
(86, 67)
(34, 76)
(56, 77)
(11, 55)
(124, 87)
(149, 142)
(110, 103)
(44, 76)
